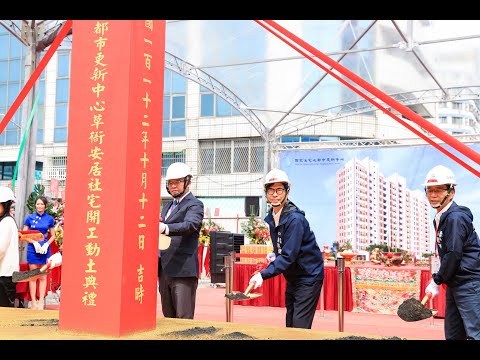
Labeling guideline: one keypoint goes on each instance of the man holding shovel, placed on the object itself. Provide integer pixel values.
(458, 245)
(296, 253)
(181, 219)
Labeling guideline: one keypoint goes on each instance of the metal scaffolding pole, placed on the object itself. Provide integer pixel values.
(26, 166)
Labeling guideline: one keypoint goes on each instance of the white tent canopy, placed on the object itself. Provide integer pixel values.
(274, 86)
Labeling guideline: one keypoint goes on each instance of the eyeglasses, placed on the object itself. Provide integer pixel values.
(435, 191)
(175, 182)
(279, 191)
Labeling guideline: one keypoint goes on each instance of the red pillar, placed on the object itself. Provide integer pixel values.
(109, 271)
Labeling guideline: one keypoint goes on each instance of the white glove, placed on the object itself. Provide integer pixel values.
(257, 279)
(55, 260)
(270, 257)
(38, 247)
(433, 288)
(45, 248)
(162, 227)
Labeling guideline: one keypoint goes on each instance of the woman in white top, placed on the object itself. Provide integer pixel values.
(9, 254)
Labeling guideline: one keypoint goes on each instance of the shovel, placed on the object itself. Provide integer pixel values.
(414, 310)
(238, 295)
(23, 276)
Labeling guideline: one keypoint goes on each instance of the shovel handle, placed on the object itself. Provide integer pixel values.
(426, 298)
(45, 267)
(249, 288)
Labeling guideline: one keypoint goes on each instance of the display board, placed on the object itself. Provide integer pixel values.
(313, 174)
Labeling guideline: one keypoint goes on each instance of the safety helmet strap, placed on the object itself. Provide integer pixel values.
(450, 188)
(186, 181)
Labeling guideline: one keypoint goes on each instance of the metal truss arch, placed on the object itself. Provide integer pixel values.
(361, 107)
(345, 144)
(193, 73)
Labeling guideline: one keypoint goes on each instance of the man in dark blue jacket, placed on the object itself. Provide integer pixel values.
(458, 245)
(296, 253)
(181, 219)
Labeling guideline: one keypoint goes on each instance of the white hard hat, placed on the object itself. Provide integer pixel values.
(6, 194)
(178, 170)
(439, 175)
(276, 175)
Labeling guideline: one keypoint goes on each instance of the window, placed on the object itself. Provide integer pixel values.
(174, 104)
(178, 107)
(14, 71)
(3, 71)
(6, 170)
(11, 81)
(3, 96)
(457, 105)
(17, 49)
(40, 124)
(168, 158)
(240, 153)
(179, 83)
(223, 150)
(60, 131)
(41, 110)
(3, 44)
(213, 105)
(207, 100)
(222, 108)
(12, 132)
(457, 120)
(62, 90)
(13, 91)
(59, 161)
(231, 156)
(61, 121)
(63, 65)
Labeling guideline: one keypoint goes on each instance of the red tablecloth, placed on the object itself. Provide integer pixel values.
(273, 290)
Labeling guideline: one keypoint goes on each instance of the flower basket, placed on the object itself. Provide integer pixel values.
(256, 232)
(207, 226)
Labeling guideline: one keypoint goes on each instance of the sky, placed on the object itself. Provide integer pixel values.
(312, 174)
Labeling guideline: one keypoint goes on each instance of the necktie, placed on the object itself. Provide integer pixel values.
(174, 205)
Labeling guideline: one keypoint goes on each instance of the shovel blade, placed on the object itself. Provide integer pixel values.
(236, 295)
(23, 276)
(239, 296)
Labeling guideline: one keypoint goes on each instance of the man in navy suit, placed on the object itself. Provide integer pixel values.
(178, 265)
